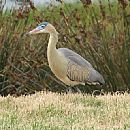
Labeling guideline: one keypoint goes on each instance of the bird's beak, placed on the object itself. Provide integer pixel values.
(34, 31)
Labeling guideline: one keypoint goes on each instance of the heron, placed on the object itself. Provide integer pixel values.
(68, 66)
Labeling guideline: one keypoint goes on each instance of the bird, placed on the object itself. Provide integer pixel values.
(68, 66)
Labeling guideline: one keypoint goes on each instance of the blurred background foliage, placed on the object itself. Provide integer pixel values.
(99, 32)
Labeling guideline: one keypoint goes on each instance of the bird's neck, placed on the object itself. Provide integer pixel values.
(51, 49)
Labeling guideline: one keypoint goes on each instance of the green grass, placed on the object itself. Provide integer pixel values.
(51, 111)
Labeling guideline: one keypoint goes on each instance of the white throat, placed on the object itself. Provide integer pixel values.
(51, 49)
(52, 54)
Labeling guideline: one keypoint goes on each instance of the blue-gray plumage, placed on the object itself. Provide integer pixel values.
(68, 66)
(91, 76)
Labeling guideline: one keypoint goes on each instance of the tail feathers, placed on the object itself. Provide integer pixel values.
(95, 78)
(101, 79)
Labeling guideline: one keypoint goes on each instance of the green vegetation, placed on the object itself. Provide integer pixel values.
(100, 33)
(51, 111)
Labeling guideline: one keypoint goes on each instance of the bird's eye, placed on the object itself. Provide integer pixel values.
(42, 26)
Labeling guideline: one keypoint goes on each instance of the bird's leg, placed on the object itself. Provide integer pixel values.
(77, 89)
(69, 89)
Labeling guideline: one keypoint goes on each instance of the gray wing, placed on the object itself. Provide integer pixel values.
(79, 60)
(79, 69)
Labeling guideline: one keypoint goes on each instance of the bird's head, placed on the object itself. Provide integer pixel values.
(44, 27)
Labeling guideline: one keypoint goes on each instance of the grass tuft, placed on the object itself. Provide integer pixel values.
(50, 111)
